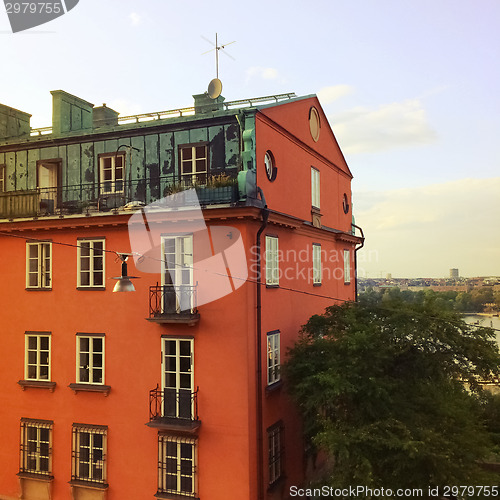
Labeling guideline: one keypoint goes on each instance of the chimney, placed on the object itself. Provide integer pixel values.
(70, 113)
(13, 123)
(205, 104)
(105, 117)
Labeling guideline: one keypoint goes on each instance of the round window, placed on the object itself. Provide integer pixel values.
(314, 124)
(271, 169)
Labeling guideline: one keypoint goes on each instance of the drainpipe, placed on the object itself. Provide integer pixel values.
(260, 445)
(356, 262)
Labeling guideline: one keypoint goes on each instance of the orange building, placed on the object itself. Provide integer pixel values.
(172, 391)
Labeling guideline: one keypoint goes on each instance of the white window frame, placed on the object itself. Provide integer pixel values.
(191, 178)
(181, 465)
(272, 261)
(315, 188)
(38, 450)
(93, 365)
(92, 257)
(275, 439)
(94, 450)
(111, 186)
(347, 266)
(39, 361)
(42, 260)
(317, 266)
(273, 357)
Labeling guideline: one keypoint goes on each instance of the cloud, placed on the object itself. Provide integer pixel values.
(328, 95)
(124, 107)
(427, 230)
(394, 125)
(261, 72)
(135, 18)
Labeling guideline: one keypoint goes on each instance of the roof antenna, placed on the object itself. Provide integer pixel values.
(215, 86)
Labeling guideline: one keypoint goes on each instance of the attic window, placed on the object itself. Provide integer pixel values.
(314, 123)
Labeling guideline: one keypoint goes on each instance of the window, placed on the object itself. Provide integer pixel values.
(347, 266)
(177, 465)
(38, 265)
(193, 164)
(90, 359)
(112, 173)
(89, 453)
(275, 438)
(315, 188)
(317, 271)
(37, 357)
(272, 262)
(90, 263)
(2, 178)
(273, 357)
(36, 446)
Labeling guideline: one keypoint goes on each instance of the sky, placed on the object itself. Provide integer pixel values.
(410, 88)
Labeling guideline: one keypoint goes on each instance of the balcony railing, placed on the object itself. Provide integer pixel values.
(173, 408)
(100, 197)
(173, 304)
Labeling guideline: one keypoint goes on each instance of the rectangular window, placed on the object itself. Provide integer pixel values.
(111, 173)
(347, 266)
(275, 438)
(90, 263)
(315, 188)
(2, 178)
(193, 164)
(37, 356)
(273, 357)
(38, 265)
(272, 261)
(317, 271)
(177, 465)
(36, 446)
(89, 453)
(90, 359)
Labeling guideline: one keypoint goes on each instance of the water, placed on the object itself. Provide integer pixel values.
(491, 321)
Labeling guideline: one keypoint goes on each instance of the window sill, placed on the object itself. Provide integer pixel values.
(92, 288)
(88, 484)
(272, 286)
(47, 478)
(347, 283)
(275, 386)
(317, 284)
(104, 389)
(276, 484)
(176, 496)
(38, 289)
(37, 384)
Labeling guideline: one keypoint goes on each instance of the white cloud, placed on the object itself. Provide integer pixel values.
(261, 72)
(124, 107)
(135, 18)
(427, 230)
(394, 125)
(328, 95)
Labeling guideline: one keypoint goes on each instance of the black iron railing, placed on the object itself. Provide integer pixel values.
(179, 404)
(168, 300)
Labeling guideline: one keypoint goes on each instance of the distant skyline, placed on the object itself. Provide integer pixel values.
(410, 90)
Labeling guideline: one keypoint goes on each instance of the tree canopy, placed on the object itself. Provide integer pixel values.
(391, 392)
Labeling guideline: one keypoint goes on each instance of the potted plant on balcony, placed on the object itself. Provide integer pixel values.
(218, 189)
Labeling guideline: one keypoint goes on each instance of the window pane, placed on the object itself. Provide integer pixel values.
(32, 357)
(84, 248)
(44, 372)
(185, 348)
(31, 372)
(33, 251)
(187, 153)
(84, 344)
(200, 151)
(97, 344)
(98, 278)
(44, 343)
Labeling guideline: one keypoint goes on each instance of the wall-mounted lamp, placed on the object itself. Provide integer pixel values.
(124, 284)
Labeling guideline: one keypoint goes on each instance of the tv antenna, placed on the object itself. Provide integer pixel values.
(217, 47)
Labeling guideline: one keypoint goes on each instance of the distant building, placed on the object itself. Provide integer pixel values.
(454, 273)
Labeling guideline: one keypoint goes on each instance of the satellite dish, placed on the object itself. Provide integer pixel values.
(214, 88)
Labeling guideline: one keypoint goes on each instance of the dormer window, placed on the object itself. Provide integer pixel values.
(193, 164)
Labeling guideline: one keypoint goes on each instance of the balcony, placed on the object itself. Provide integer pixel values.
(173, 409)
(106, 196)
(173, 304)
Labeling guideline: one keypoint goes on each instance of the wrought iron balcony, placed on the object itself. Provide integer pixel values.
(174, 409)
(102, 197)
(173, 304)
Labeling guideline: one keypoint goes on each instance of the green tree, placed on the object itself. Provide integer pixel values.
(382, 392)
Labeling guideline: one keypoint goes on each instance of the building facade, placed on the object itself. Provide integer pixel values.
(175, 390)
